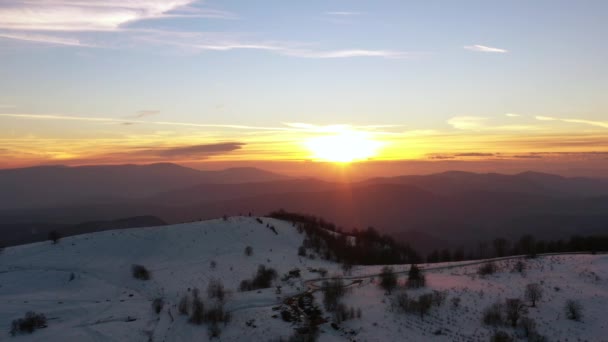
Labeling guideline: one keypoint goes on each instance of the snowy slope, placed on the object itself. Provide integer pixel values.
(95, 305)
(105, 303)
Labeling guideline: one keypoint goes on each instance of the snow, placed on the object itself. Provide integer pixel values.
(105, 303)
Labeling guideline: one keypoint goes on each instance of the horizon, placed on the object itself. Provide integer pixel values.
(385, 87)
(327, 171)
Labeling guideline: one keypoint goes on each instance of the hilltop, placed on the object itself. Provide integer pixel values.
(85, 287)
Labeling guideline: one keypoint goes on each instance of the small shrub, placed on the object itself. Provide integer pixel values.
(248, 251)
(54, 236)
(333, 291)
(183, 306)
(215, 289)
(574, 310)
(487, 269)
(140, 272)
(514, 309)
(439, 297)
(455, 302)
(528, 326)
(245, 286)
(157, 305)
(493, 315)
(261, 280)
(519, 267)
(212, 264)
(28, 324)
(198, 311)
(302, 251)
(501, 336)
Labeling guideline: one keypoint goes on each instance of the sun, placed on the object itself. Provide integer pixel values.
(343, 147)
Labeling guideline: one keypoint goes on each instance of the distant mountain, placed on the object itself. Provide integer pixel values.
(54, 186)
(528, 182)
(443, 210)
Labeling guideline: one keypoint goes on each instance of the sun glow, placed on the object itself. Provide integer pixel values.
(343, 147)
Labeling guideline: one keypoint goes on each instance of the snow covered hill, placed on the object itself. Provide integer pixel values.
(85, 287)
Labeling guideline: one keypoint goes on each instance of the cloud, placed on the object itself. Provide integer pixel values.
(196, 150)
(527, 156)
(474, 154)
(483, 48)
(512, 115)
(603, 124)
(205, 41)
(46, 39)
(467, 122)
(345, 53)
(477, 123)
(23, 20)
(159, 154)
(130, 122)
(82, 15)
(342, 13)
(144, 113)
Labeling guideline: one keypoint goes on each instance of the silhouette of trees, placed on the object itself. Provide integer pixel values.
(500, 246)
(527, 244)
(333, 291)
(388, 279)
(261, 280)
(415, 277)
(54, 236)
(371, 247)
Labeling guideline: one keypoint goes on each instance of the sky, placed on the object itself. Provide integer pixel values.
(419, 86)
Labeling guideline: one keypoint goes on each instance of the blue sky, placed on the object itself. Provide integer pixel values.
(417, 66)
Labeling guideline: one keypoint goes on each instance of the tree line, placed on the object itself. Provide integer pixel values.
(357, 247)
(526, 245)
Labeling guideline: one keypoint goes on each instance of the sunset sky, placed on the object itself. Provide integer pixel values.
(461, 84)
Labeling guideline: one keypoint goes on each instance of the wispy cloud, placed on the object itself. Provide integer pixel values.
(474, 154)
(476, 123)
(483, 48)
(145, 113)
(131, 122)
(346, 53)
(512, 115)
(342, 13)
(46, 39)
(467, 122)
(603, 124)
(203, 41)
(151, 154)
(24, 20)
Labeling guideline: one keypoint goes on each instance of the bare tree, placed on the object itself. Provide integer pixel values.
(533, 293)
(514, 309)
